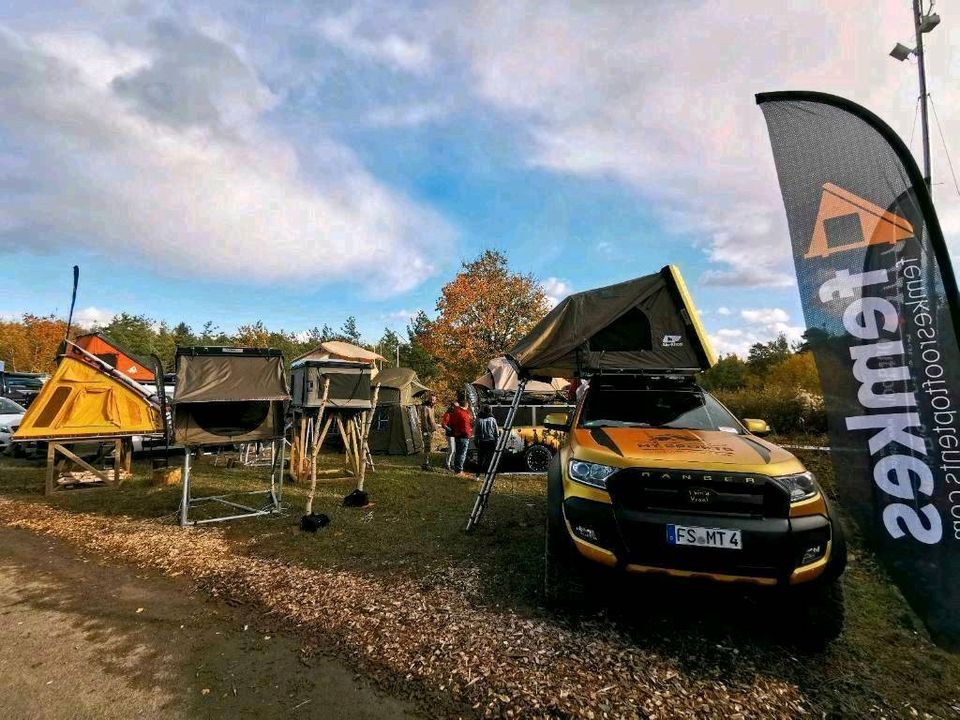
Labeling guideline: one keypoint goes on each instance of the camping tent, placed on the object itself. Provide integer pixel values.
(115, 356)
(644, 325)
(228, 395)
(82, 401)
(339, 350)
(396, 426)
(348, 389)
(501, 377)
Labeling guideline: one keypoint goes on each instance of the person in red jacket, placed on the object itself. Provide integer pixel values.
(461, 427)
(451, 445)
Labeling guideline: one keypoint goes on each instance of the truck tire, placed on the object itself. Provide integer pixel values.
(537, 457)
(564, 572)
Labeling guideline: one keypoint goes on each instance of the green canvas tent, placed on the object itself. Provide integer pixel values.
(396, 424)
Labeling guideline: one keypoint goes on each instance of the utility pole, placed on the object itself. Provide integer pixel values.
(925, 129)
(922, 23)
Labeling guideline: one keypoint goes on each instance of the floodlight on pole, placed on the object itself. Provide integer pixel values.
(922, 23)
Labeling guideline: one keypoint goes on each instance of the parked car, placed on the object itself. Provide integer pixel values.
(11, 414)
(657, 477)
(20, 387)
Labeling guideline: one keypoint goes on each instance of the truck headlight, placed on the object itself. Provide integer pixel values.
(592, 474)
(5, 429)
(799, 487)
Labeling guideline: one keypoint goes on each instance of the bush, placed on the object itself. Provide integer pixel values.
(787, 411)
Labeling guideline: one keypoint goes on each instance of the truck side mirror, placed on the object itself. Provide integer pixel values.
(756, 426)
(557, 421)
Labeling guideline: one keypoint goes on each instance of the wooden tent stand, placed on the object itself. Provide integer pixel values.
(122, 455)
(354, 430)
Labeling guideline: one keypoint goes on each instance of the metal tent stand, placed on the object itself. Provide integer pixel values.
(484, 495)
(274, 495)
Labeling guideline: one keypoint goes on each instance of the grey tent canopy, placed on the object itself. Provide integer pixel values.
(501, 376)
(395, 429)
(648, 324)
(228, 395)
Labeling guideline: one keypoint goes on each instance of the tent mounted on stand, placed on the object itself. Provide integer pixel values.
(87, 400)
(343, 351)
(643, 326)
(396, 425)
(326, 394)
(229, 395)
(114, 355)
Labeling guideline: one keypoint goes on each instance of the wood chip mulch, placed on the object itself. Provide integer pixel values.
(427, 641)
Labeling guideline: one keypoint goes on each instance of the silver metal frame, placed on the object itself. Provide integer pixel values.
(275, 494)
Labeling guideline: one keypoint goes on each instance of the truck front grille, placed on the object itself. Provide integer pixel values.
(698, 493)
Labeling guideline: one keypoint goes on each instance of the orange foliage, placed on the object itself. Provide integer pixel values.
(31, 344)
(482, 312)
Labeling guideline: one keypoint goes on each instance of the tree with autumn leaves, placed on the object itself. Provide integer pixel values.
(31, 344)
(481, 314)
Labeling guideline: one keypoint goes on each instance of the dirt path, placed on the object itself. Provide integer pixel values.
(79, 639)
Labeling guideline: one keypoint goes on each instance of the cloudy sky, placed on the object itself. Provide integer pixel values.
(301, 162)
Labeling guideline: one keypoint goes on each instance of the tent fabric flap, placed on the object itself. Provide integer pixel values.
(501, 376)
(81, 401)
(229, 378)
(645, 324)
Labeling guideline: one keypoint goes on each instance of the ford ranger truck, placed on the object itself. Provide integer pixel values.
(657, 477)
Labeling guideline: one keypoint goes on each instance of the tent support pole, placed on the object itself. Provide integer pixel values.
(366, 420)
(185, 497)
(316, 441)
(480, 505)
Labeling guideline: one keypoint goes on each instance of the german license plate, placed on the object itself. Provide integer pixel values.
(703, 537)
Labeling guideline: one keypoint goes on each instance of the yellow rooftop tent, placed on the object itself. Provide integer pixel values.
(82, 402)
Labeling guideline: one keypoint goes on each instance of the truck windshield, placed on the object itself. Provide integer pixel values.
(677, 409)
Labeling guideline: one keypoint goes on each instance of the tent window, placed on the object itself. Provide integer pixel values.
(52, 407)
(628, 333)
(109, 358)
(383, 418)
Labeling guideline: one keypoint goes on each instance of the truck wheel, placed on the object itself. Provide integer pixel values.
(819, 614)
(537, 458)
(563, 573)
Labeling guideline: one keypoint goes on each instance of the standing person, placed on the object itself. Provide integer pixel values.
(461, 424)
(485, 433)
(448, 431)
(428, 424)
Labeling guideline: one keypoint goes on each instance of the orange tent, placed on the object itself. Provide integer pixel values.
(115, 356)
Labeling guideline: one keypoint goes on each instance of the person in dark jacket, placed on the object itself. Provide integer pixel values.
(485, 436)
(428, 423)
(461, 425)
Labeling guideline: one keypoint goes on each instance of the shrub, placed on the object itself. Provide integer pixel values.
(786, 411)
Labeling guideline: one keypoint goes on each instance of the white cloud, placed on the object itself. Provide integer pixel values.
(661, 97)
(92, 317)
(765, 316)
(723, 310)
(160, 154)
(556, 290)
(399, 52)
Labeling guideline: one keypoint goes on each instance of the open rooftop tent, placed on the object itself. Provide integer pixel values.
(340, 350)
(116, 356)
(349, 384)
(648, 324)
(643, 326)
(396, 426)
(501, 377)
(83, 400)
(230, 395)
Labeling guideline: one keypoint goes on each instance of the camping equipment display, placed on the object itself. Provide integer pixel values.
(114, 355)
(880, 300)
(229, 395)
(328, 394)
(500, 379)
(86, 400)
(646, 325)
(396, 425)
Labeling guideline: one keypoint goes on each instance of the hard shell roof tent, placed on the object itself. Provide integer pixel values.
(340, 350)
(645, 326)
(349, 384)
(115, 355)
(395, 429)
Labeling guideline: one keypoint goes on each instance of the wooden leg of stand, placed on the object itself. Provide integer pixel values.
(51, 468)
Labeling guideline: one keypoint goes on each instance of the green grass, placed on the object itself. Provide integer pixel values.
(415, 528)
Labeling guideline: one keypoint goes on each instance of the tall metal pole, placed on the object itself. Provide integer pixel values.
(923, 94)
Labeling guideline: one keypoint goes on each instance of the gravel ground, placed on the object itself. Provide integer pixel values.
(428, 640)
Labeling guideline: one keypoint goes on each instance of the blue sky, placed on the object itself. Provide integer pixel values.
(215, 161)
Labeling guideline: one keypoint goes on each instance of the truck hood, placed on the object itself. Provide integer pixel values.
(667, 448)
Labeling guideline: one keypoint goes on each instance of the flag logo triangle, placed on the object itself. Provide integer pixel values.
(848, 222)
